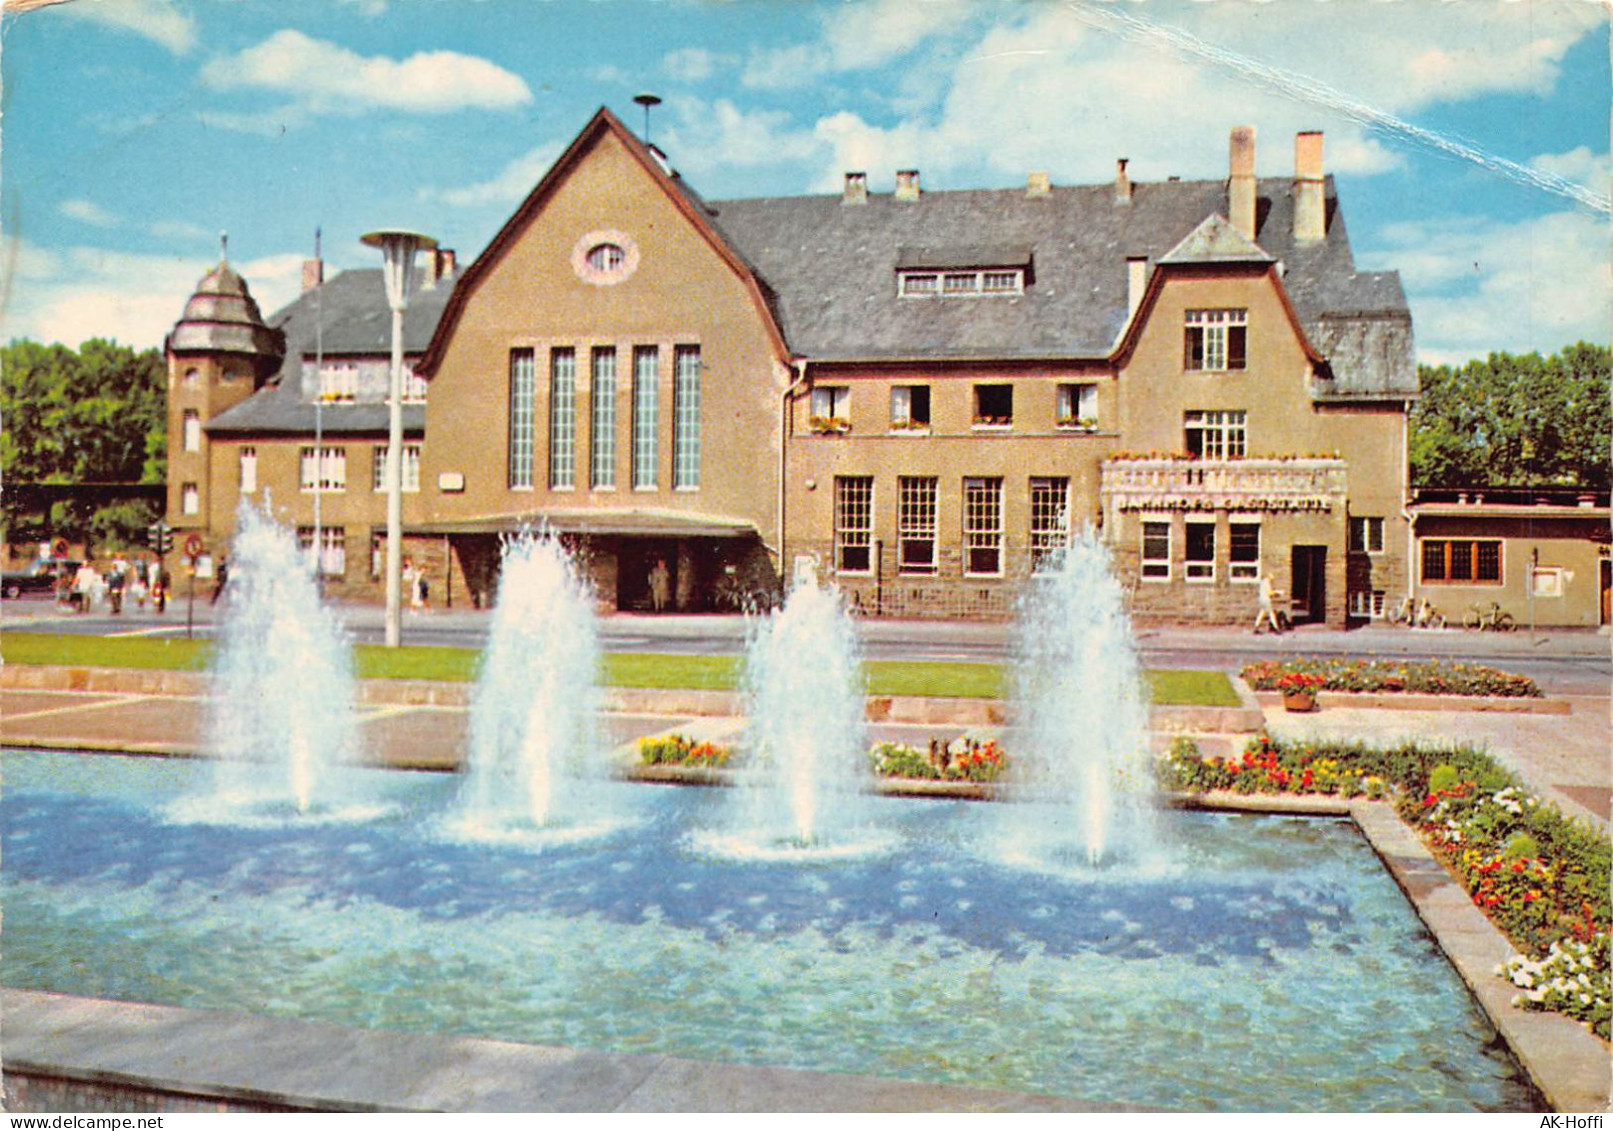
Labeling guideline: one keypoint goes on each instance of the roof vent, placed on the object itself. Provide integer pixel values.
(907, 184)
(1038, 184)
(1122, 182)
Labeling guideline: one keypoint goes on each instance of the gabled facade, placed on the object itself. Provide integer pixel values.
(917, 394)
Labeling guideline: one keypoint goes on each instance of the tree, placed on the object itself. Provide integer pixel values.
(94, 415)
(1516, 421)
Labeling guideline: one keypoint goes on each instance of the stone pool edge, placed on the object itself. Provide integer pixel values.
(149, 1055)
(1570, 1065)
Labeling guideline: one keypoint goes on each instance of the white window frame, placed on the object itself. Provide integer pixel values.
(411, 467)
(902, 408)
(562, 419)
(1198, 571)
(1244, 572)
(1076, 406)
(523, 420)
(338, 382)
(1049, 517)
(1156, 568)
(920, 284)
(965, 282)
(646, 396)
(918, 505)
(1367, 604)
(323, 470)
(982, 524)
(602, 418)
(854, 522)
(1366, 534)
(1223, 433)
(830, 409)
(190, 499)
(249, 469)
(1214, 329)
(192, 429)
(687, 370)
(414, 385)
(331, 561)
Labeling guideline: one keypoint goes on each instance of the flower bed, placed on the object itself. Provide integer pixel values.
(676, 750)
(962, 759)
(1432, 678)
(1541, 878)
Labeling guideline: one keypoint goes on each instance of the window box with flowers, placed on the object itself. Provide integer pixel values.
(829, 425)
(1078, 423)
(1299, 691)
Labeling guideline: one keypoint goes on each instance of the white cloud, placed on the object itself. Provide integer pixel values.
(1579, 165)
(722, 131)
(87, 212)
(367, 7)
(78, 293)
(695, 64)
(1477, 285)
(325, 77)
(858, 37)
(156, 20)
(506, 188)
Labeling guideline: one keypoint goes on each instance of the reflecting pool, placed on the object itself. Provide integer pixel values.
(1260, 963)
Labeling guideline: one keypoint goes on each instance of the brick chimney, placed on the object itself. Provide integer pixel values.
(1038, 184)
(856, 191)
(313, 273)
(1310, 191)
(1241, 187)
(907, 184)
(1122, 181)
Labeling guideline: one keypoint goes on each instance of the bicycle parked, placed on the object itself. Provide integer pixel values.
(1417, 612)
(1489, 618)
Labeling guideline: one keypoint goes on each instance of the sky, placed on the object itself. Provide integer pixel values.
(1469, 138)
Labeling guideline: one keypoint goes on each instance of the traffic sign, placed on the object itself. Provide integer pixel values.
(193, 546)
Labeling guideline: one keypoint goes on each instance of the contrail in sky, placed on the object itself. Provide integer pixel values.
(1110, 18)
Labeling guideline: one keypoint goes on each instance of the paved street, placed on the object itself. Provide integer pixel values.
(1566, 662)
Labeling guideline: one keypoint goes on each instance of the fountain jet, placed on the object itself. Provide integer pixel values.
(535, 709)
(1080, 719)
(280, 717)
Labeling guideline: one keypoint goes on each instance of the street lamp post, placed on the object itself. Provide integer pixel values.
(398, 249)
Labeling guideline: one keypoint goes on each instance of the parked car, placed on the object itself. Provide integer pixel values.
(40, 577)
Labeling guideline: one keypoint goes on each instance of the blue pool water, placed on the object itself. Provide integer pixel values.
(1258, 963)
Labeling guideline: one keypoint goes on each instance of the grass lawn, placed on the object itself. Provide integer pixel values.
(372, 661)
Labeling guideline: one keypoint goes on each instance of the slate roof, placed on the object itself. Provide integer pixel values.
(352, 310)
(222, 317)
(827, 271)
(832, 268)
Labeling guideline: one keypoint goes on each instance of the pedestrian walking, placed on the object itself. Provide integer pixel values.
(1267, 614)
(220, 580)
(660, 586)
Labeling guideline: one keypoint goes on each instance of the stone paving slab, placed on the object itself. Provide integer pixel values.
(1568, 758)
(301, 1064)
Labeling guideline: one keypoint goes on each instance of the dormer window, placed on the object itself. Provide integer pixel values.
(338, 381)
(960, 284)
(924, 284)
(964, 271)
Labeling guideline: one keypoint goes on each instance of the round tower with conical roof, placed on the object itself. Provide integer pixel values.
(219, 353)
